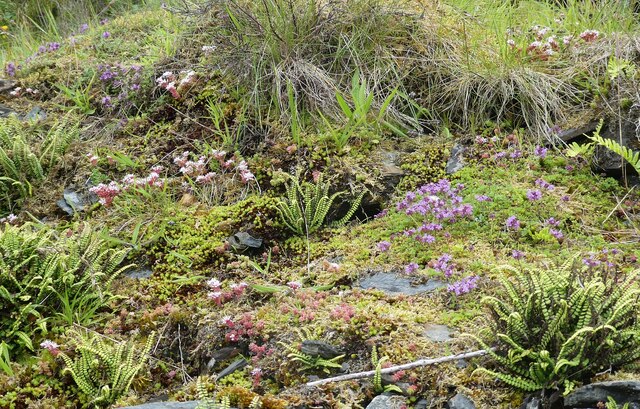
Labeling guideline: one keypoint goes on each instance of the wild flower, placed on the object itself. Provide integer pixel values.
(517, 254)
(384, 246)
(589, 35)
(515, 154)
(10, 69)
(500, 155)
(256, 375)
(214, 284)
(534, 194)
(84, 27)
(106, 102)
(106, 192)
(53, 46)
(106, 34)
(344, 312)
(483, 198)
(50, 346)
(540, 151)
(104, 21)
(443, 265)
(294, 285)
(208, 49)
(544, 184)
(411, 268)
(511, 43)
(556, 233)
(11, 219)
(591, 261)
(513, 223)
(93, 159)
(566, 40)
(463, 286)
(215, 296)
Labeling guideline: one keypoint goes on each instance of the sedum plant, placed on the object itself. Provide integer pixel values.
(104, 370)
(558, 326)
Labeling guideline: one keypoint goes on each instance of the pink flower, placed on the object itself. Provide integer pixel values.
(50, 346)
(294, 285)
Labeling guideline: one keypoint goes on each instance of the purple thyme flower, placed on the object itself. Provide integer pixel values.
(106, 34)
(463, 286)
(569, 168)
(500, 155)
(483, 198)
(591, 261)
(544, 184)
(53, 46)
(517, 254)
(10, 69)
(513, 223)
(411, 268)
(540, 151)
(534, 194)
(42, 49)
(551, 221)
(442, 264)
(515, 154)
(106, 101)
(83, 28)
(104, 21)
(556, 233)
(384, 246)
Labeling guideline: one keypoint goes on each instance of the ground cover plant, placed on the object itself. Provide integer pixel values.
(225, 200)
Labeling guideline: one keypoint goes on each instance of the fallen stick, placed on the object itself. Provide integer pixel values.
(392, 369)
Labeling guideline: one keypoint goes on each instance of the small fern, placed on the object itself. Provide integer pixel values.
(306, 205)
(555, 327)
(207, 401)
(104, 371)
(377, 377)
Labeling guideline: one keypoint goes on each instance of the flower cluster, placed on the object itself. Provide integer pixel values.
(11, 68)
(589, 36)
(344, 312)
(221, 296)
(198, 170)
(443, 265)
(305, 305)
(18, 92)
(463, 286)
(50, 346)
(11, 219)
(108, 192)
(242, 328)
(167, 81)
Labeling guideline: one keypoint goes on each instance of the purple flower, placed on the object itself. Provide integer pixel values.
(517, 254)
(540, 151)
(10, 69)
(104, 21)
(384, 246)
(483, 198)
(463, 286)
(500, 155)
(106, 101)
(544, 184)
(513, 223)
(569, 168)
(411, 268)
(591, 261)
(534, 194)
(42, 49)
(426, 238)
(565, 198)
(551, 221)
(556, 233)
(294, 285)
(515, 154)
(53, 46)
(442, 264)
(83, 28)
(106, 34)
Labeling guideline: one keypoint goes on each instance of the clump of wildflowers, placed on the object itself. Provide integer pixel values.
(463, 286)
(220, 296)
(513, 223)
(50, 346)
(534, 194)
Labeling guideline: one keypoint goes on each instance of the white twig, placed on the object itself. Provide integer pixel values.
(392, 369)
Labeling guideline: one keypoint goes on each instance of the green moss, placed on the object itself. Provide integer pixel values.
(426, 164)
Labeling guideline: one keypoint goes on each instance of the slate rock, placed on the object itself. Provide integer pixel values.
(567, 135)
(460, 401)
(456, 159)
(393, 284)
(6, 85)
(139, 273)
(588, 396)
(36, 113)
(235, 366)
(319, 349)
(532, 402)
(387, 402)
(423, 404)
(5, 111)
(73, 201)
(437, 333)
(242, 241)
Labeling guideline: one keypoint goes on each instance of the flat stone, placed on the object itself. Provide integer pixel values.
(567, 135)
(139, 273)
(460, 401)
(387, 402)
(437, 333)
(6, 85)
(319, 349)
(165, 405)
(35, 114)
(588, 396)
(393, 284)
(242, 241)
(5, 111)
(73, 202)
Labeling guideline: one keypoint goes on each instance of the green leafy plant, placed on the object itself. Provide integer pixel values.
(206, 401)
(103, 370)
(27, 151)
(308, 362)
(557, 326)
(81, 97)
(45, 278)
(377, 377)
(612, 404)
(306, 205)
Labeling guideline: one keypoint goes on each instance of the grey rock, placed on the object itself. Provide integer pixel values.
(319, 349)
(588, 396)
(456, 159)
(437, 333)
(36, 114)
(566, 135)
(393, 284)
(387, 402)
(390, 168)
(221, 355)
(242, 241)
(5, 111)
(73, 202)
(6, 85)
(461, 364)
(139, 273)
(165, 405)
(623, 132)
(460, 401)
(235, 366)
(423, 404)
(532, 402)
